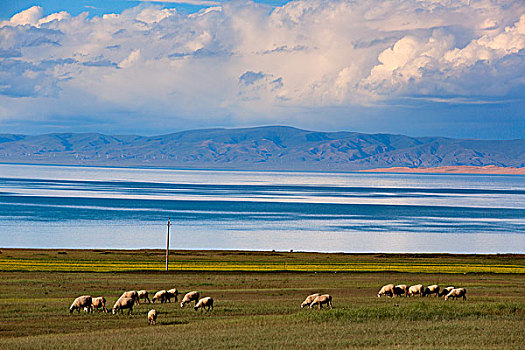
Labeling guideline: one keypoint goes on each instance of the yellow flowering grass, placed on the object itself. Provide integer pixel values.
(90, 261)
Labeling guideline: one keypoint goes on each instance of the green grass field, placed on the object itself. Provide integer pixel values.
(257, 297)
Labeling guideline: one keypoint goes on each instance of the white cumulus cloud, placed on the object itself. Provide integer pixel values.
(238, 60)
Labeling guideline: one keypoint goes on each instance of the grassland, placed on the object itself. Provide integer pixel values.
(257, 297)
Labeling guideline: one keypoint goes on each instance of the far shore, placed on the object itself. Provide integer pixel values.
(489, 169)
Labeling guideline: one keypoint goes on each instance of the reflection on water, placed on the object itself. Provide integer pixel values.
(51, 206)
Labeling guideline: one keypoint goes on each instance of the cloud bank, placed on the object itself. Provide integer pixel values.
(243, 63)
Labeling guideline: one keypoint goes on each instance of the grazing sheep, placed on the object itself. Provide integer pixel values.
(400, 289)
(152, 317)
(309, 299)
(172, 293)
(457, 293)
(415, 290)
(386, 290)
(97, 303)
(132, 294)
(161, 295)
(123, 303)
(445, 291)
(80, 303)
(322, 299)
(204, 303)
(433, 289)
(143, 294)
(189, 297)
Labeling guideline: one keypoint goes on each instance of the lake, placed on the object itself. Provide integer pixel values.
(99, 207)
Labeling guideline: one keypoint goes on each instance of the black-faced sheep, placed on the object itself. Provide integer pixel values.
(161, 296)
(415, 290)
(457, 293)
(123, 303)
(309, 299)
(322, 299)
(386, 290)
(97, 303)
(400, 289)
(433, 289)
(152, 317)
(189, 297)
(80, 303)
(445, 291)
(204, 303)
(143, 294)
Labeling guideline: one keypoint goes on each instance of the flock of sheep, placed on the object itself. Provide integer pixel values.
(401, 289)
(128, 299)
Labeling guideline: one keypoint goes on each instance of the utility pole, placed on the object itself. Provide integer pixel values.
(168, 245)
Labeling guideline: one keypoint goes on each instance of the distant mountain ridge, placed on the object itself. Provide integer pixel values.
(270, 147)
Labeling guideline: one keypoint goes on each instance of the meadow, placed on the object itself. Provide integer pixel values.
(257, 296)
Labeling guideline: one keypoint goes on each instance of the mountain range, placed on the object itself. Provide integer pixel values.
(260, 148)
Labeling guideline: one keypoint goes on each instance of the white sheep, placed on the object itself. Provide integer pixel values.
(322, 299)
(309, 299)
(204, 303)
(161, 295)
(400, 289)
(99, 302)
(152, 317)
(415, 290)
(189, 297)
(457, 293)
(81, 302)
(143, 294)
(131, 294)
(445, 291)
(433, 289)
(123, 303)
(386, 290)
(172, 293)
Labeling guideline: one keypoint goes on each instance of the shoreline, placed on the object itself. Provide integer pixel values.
(256, 252)
(464, 169)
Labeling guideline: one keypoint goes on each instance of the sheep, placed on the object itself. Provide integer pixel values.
(415, 290)
(172, 293)
(131, 294)
(445, 291)
(152, 317)
(80, 303)
(123, 303)
(309, 299)
(400, 289)
(189, 297)
(386, 290)
(99, 302)
(204, 303)
(457, 293)
(143, 294)
(322, 299)
(433, 289)
(161, 295)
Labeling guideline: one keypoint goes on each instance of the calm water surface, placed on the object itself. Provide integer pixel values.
(81, 207)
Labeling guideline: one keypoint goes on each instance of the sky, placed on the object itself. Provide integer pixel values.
(453, 68)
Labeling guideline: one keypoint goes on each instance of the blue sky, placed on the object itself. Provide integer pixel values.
(418, 67)
(8, 8)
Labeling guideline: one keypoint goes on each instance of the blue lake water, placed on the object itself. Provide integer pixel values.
(85, 207)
